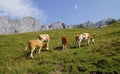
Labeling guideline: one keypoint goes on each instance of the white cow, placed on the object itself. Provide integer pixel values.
(45, 38)
(84, 36)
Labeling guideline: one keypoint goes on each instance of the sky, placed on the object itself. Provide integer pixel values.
(66, 11)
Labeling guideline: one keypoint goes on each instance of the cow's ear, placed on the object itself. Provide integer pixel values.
(91, 38)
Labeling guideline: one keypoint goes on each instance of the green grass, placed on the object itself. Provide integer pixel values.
(101, 57)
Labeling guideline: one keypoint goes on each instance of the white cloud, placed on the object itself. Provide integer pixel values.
(75, 7)
(20, 9)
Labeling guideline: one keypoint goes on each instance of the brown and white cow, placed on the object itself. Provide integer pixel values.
(45, 38)
(35, 44)
(65, 42)
(84, 36)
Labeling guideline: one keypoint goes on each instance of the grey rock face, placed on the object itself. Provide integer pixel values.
(88, 25)
(10, 26)
(103, 23)
(56, 25)
(29, 24)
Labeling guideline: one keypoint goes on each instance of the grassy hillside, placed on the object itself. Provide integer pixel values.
(101, 57)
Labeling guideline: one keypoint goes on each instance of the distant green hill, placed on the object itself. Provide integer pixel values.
(101, 57)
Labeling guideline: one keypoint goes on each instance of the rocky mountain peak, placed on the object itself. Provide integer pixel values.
(11, 26)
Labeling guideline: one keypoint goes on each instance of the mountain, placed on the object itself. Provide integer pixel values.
(29, 24)
(11, 26)
(56, 25)
(104, 23)
(88, 24)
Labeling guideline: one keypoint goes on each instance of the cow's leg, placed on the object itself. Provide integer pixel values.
(76, 44)
(66, 47)
(39, 49)
(88, 42)
(31, 54)
(63, 46)
(47, 45)
(79, 43)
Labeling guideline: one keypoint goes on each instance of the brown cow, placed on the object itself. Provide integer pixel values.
(65, 42)
(35, 44)
(45, 38)
(84, 36)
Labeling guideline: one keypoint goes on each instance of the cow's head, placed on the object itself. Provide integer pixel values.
(44, 45)
(92, 39)
(41, 37)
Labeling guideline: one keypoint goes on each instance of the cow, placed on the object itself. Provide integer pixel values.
(84, 36)
(65, 42)
(35, 44)
(45, 38)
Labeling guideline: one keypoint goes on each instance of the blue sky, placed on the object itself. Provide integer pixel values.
(67, 11)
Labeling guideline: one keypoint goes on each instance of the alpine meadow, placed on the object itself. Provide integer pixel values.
(101, 57)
